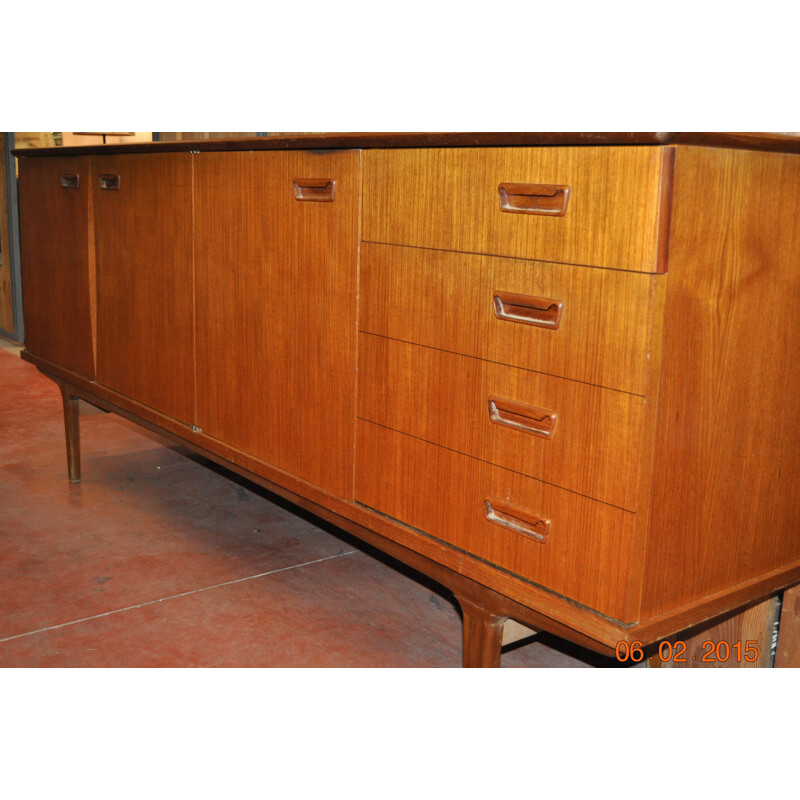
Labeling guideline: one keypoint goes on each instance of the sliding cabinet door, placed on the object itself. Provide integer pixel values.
(145, 292)
(57, 277)
(276, 251)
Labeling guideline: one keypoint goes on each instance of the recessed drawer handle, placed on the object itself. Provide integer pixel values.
(70, 181)
(109, 182)
(541, 311)
(534, 198)
(320, 190)
(538, 421)
(517, 519)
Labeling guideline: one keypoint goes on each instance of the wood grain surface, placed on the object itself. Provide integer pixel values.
(446, 300)
(54, 241)
(482, 636)
(444, 398)
(587, 553)
(145, 280)
(448, 199)
(676, 395)
(726, 482)
(276, 310)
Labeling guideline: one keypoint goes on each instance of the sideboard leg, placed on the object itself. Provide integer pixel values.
(73, 434)
(483, 636)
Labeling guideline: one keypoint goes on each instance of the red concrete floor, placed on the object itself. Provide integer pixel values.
(160, 559)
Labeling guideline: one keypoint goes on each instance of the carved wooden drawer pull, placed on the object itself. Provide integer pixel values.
(517, 519)
(534, 198)
(319, 190)
(540, 311)
(70, 181)
(109, 182)
(538, 421)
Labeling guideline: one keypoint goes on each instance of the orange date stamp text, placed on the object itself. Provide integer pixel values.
(677, 652)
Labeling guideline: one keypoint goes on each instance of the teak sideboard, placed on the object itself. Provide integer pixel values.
(556, 373)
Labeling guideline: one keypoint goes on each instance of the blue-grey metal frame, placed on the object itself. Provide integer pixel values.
(12, 247)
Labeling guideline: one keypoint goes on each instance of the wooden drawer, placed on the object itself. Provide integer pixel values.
(567, 433)
(586, 554)
(451, 199)
(448, 301)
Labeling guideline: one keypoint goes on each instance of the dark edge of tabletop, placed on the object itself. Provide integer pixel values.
(773, 142)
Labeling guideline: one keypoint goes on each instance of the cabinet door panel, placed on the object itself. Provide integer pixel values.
(56, 286)
(276, 307)
(145, 303)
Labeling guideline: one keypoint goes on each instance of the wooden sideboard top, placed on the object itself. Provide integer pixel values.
(774, 142)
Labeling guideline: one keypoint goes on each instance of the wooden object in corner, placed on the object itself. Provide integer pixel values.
(742, 639)
(788, 651)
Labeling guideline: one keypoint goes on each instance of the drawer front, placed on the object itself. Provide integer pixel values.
(570, 544)
(567, 433)
(476, 306)
(598, 206)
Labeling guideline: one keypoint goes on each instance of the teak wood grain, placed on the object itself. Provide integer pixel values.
(276, 310)
(444, 398)
(145, 280)
(54, 241)
(482, 635)
(585, 557)
(726, 481)
(679, 389)
(448, 199)
(446, 300)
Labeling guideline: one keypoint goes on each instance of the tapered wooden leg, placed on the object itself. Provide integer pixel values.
(483, 636)
(73, 432)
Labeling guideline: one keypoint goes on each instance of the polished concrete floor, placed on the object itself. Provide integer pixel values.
(160, 559)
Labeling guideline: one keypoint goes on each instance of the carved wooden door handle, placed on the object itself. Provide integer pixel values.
(541, 311)
(319, 190)
(517, 519)
(534, 198)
